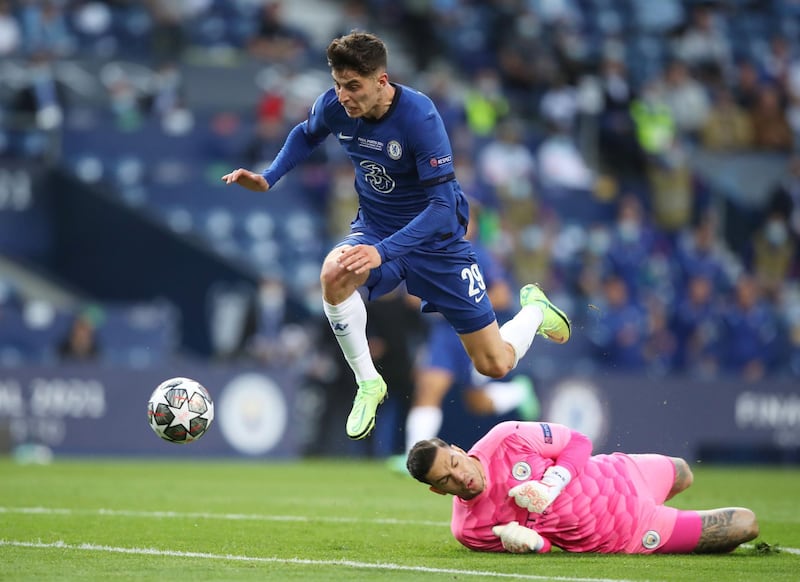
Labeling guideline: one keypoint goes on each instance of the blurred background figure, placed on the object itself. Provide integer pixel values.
(81, 343)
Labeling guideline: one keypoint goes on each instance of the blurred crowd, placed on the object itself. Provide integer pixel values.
(581, 128)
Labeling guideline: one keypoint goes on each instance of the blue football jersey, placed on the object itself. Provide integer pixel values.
(403, 170)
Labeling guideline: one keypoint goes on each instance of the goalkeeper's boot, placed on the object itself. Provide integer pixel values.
(555, 324)
(362, 417)
(529, 408)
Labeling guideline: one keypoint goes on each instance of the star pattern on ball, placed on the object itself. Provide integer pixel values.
(183, 415)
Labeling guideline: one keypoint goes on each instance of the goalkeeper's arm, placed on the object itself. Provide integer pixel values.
(536, 496)
(519, 539)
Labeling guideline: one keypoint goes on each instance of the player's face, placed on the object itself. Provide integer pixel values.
(361, 96)
(456, 473)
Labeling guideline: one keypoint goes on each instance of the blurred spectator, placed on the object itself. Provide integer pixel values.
(661, 345)
(44, 28)
(746, 84)
(728, 127)
(275, 40)
(750, 334)
(10, 32)
(274, 331)
(40, 100)
(634, 245)
(621, 329)
(167, 100)
(776, 61)
(443, 86)
(559, 104)
(771, 128)
(701, 252)
(618, 146)
(703, 44)
(81, 343)
(686, 98)
(484, 103)
(524, 60)
(773, 255)
(168, 39)
(269, 131)
(561, 164)
(506, 163)
(785, 197)
(354, 16)
(695, 323)
(655, 125)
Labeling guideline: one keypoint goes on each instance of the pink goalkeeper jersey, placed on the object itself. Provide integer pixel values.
(608, 506)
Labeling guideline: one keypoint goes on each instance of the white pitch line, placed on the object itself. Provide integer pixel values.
(247, 517)
(294, 561)
(223, 516)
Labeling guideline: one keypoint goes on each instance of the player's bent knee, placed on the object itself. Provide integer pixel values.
(683, 476)
(492, 368)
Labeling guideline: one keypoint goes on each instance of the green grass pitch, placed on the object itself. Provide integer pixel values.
(343, 520)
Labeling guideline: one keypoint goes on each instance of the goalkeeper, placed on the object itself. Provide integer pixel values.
(527, 486)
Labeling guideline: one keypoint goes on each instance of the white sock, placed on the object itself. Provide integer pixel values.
(349, 324)
(521, 329)
(477, 379)
(505, 396)
(422, 422)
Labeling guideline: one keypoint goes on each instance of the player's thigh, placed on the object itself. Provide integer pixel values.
(657, 473)
(451, 284)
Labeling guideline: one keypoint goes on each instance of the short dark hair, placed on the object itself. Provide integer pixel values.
(421, 456)
(361, 52)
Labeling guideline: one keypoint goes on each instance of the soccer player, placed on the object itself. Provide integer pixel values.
(527, 486)
(410, 224)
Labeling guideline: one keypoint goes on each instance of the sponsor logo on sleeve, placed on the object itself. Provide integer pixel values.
(443, 161)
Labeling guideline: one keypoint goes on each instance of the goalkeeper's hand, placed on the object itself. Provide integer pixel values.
(536, 496)
(518, 539)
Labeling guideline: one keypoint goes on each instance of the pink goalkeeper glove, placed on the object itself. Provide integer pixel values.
(536, 496)
(518, 539)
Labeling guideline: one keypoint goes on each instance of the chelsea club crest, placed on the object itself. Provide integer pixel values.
(394, 149)
(521, 471)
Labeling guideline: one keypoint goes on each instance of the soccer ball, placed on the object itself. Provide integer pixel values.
(180, 410)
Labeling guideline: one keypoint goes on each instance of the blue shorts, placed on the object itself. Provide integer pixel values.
(448, 281)
(446, 352)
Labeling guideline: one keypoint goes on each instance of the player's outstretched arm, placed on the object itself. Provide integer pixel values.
(247, 179)
(725, 529)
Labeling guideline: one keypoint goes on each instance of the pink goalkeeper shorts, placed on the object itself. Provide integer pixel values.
(664, 530)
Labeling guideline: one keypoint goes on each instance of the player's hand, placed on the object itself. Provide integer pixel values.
(247, 179)
(359, 259)
(536, 496)
(517, 538)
